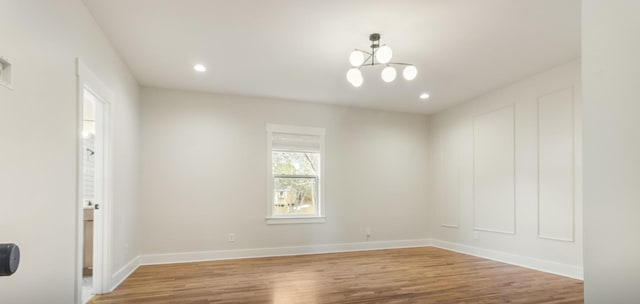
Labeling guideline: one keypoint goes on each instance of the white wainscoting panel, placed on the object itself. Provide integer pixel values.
(556, 166)
(449, 183)
(494, 171)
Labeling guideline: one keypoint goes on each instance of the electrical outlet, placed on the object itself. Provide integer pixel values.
(476, 235)
(367, 232)
(231, 237)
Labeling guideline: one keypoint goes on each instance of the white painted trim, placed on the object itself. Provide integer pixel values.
(124, 272)
(87, 80)
(104, 190)
(295, 220)
(551, 238)
(440, 181)
(269, 175)
(88, 298)
(200, 256)
(271, 128)
(79, 192)
(295, 129)
(566, 270)
(93, 81)
(494, 231)
(573, 165)
(515, 171)
(449, 226)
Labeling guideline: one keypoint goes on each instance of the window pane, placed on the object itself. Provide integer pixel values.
(294, 195)
(295, 163)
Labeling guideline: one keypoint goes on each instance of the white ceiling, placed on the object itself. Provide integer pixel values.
(299, 50)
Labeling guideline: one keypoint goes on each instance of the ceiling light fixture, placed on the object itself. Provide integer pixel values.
(379, 55)
(200, 68)
(354, 76)
(424, 96)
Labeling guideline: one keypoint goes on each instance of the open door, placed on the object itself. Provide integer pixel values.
(93, 186)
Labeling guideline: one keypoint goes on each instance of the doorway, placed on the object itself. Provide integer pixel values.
(93, 186)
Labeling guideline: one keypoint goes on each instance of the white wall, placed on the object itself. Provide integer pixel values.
(38, 144)
(507, 165)
(204, 173)
(204, 158)
(611, 76)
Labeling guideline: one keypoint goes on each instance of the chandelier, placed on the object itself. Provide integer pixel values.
(379, 55)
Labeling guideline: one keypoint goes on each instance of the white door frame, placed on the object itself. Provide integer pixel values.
(87, 80)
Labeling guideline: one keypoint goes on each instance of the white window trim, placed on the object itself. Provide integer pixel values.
(295, 219)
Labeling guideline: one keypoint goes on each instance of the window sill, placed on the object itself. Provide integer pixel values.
(295, 220)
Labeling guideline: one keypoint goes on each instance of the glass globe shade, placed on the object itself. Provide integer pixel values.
(356, 58)
(384, 54)
(358, 82)
(389, 74)
(354, 76)
(410, 72)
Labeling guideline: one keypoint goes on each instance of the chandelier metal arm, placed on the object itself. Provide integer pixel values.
(371, 55)
(388, 63)
(399, 63)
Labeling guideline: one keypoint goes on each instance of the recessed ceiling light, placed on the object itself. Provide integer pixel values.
(200, 68)
(424, 96)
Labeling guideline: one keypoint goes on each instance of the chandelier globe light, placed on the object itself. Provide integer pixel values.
(354, 76)
(410, 72)
(356, 58)
(384, 54)
(379, 55)
(389, 74)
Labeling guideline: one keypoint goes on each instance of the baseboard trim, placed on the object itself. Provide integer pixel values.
(566, 270)
(119, 276)
(202, 256)
(199, 256)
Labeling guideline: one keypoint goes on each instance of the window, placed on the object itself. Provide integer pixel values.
(295, 174)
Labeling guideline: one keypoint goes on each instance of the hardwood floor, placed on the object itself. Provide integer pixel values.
(415, 275)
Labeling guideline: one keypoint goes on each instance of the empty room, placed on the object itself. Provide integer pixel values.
(411, 151)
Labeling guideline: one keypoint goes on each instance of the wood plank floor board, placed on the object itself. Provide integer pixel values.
(414, 275)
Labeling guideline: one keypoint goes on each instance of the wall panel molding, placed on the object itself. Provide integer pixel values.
(556, 165)
(449, 189)
(516, 232)
(494, 196)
